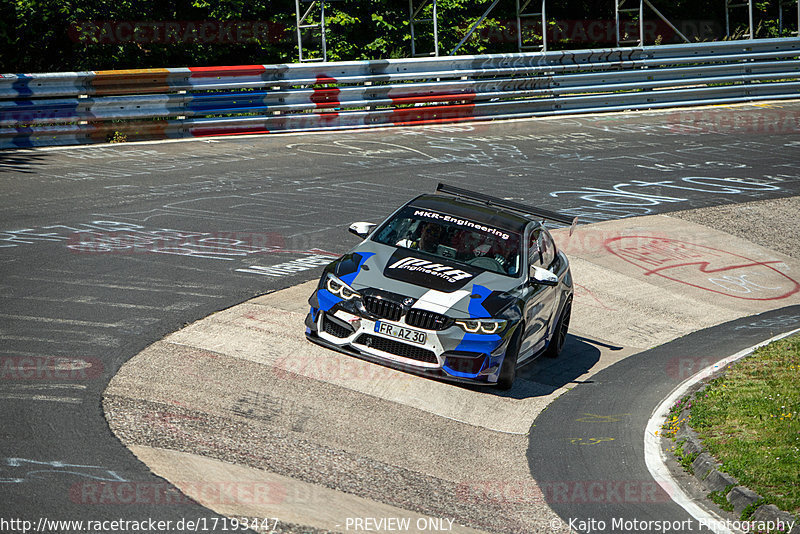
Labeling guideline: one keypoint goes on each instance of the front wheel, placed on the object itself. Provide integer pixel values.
(560, 332)
(508, 370)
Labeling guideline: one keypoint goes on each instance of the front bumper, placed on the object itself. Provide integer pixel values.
(448, 354)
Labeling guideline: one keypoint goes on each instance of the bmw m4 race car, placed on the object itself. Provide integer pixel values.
(456, 285)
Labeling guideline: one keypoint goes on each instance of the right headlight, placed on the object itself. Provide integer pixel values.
(482, 326)
(339, 288)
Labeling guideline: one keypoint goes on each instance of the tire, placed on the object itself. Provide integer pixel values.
(560, 332)
(508, 370)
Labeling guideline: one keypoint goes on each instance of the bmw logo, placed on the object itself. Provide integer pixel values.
(408, 301)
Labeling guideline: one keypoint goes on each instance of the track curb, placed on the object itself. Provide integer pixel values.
(705, 468)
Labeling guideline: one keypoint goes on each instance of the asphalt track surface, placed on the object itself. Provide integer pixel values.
(596, 429)
(105, 250)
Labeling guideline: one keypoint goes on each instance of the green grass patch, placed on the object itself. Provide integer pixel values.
(720, 499)
(751, 508)
(685, 459)
(749, 420)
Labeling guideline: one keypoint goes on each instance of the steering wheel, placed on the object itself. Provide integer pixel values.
(485, 262)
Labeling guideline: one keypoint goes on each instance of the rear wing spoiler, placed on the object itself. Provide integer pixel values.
(509, 204)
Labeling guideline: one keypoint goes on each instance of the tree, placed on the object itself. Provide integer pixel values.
(66, 35)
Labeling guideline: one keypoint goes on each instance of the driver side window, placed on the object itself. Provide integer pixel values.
(548, 248)
(534, 250)
(542, 250)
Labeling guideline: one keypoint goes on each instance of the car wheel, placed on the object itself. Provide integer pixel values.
(508, 370)
(560, 332)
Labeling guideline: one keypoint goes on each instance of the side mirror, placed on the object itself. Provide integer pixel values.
(361, 229)
(543, 276)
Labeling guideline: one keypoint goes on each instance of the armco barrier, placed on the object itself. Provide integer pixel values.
(87, 107)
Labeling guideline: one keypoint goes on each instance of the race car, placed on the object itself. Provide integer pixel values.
(456, 285)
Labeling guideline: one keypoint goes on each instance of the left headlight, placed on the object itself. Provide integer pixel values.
(482, 326)
(339, 288)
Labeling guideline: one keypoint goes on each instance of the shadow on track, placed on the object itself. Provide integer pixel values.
(13, 161)
(544, 375)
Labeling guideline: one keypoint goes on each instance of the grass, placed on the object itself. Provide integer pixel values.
(720, 499)
(685, 459)
(749, 420)
(670, 430)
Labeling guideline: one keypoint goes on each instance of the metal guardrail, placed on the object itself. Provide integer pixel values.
(87, 107)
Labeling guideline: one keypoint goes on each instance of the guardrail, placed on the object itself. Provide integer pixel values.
(88, 107)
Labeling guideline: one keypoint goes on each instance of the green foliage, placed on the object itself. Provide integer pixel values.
(750, 509)
(117, 137)
(720, 499)
(749, 420)
(685, 459)
(64, 35)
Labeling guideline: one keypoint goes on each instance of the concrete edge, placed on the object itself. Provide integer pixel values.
(704, 464)
(706, 470)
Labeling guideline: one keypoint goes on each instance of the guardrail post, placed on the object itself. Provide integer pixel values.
(301, 25)
(618, 10)
(522, 14)
(412, 15)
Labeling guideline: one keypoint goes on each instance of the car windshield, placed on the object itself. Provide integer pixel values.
(453, 238)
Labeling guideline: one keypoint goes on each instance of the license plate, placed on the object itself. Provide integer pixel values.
(406, 334)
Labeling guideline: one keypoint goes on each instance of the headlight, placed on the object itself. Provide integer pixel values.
(482, 326)
(337, 287)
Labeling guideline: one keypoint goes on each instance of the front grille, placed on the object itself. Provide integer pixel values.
(397, 348)
(385, 309)
(428, 320)
(334, 329)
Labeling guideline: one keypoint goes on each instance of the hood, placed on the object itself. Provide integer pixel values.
(437, 284)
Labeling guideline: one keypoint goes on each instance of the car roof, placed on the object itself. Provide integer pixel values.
(474, 210)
